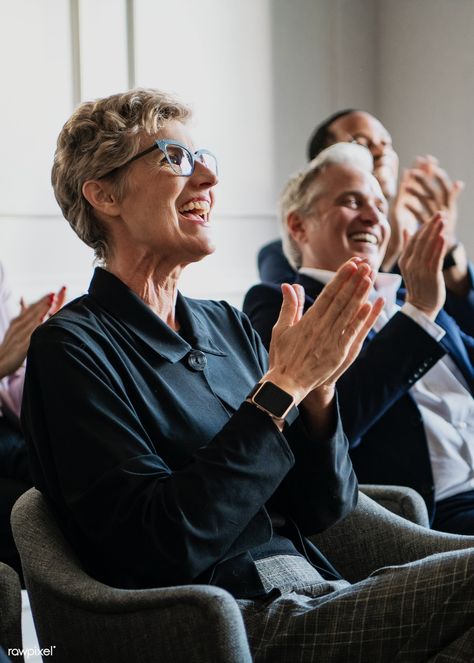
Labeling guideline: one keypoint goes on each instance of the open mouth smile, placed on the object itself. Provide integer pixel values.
(364, 238)
(196, 210)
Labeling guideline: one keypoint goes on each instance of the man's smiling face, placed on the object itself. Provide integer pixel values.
(348, 218)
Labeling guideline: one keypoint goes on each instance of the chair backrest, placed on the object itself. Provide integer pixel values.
(10, 611)
(83, 619)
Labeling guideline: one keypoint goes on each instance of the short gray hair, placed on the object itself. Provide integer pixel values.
(98, 138)
(300, 191)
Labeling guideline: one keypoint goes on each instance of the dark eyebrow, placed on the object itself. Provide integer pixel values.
(352, 192)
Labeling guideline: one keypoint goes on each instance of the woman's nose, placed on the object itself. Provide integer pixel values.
(204, 174)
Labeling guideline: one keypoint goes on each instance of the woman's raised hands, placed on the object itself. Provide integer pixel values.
(313, 350)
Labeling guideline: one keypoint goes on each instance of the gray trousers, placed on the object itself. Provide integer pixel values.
(421, 611)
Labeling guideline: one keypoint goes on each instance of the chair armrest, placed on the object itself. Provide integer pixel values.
(187, 624)
(80, 615)
(10, 609)
(371, 537)
(401, 500)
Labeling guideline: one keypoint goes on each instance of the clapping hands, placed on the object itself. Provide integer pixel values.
(312, 350)
(16, 341)
(423, 190)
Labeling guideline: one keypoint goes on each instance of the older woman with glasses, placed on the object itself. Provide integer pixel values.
(172, 448)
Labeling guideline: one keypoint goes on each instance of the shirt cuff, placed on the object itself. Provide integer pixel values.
(430, 327)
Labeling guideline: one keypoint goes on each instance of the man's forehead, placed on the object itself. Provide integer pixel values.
(339, 177)
(359, 122)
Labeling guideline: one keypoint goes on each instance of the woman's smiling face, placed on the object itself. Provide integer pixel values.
(163, 213)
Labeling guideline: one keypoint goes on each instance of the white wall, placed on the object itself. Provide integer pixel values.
(425, 87)
(37, 96)
(259, 74)
(219, 61)
(323, 59)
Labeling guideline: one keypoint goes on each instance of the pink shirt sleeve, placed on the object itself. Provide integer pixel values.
(12, 395)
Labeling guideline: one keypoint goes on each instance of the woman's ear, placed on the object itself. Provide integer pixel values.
(99, 194)
(296, 224)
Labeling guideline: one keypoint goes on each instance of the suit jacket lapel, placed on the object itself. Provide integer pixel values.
(311, 286)
(312, 289)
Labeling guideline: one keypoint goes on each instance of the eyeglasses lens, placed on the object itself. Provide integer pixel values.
(179, 159)
(208, 159)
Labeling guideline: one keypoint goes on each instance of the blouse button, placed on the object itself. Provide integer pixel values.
(197, 360)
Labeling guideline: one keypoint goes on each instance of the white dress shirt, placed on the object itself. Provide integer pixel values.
(442, 396)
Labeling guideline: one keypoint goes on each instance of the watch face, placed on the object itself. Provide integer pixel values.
(273, 399)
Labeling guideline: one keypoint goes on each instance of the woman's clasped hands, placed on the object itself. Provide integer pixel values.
(312, 350)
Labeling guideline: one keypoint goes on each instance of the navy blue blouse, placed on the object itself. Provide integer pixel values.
(158, 471)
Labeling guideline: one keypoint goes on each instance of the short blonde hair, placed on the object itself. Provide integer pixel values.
(99, 137)
(300, 192)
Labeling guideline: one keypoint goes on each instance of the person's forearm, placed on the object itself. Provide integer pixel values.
(321, 488)
(4, 366)
(9, 363)
(457, 278)
(382, 373)
(318, 410)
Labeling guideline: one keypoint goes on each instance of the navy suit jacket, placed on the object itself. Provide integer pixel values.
(381, 419)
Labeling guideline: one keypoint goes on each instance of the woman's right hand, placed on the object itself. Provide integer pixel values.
(312, 350)
(16, 341)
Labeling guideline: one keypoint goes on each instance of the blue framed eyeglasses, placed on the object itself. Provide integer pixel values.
(181, 160)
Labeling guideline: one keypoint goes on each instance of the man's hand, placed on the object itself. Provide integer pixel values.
(421, 267)
(423, 190)
(312, 350)
(432, 187)
(16, 341)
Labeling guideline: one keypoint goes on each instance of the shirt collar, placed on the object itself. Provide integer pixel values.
(385, 285)
(122, 303)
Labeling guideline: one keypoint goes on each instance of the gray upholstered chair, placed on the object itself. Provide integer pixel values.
(87, 620)
(401, 500)
(371, 537)
(10, 610)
